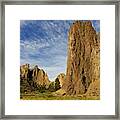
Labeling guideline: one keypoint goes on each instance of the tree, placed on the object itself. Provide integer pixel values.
(51, 87)
(57, 84)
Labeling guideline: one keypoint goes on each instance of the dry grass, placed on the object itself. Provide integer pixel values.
(53, 96)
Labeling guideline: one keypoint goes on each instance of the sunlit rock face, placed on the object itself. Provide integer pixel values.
(40, 77)
(61, 77)
(24, 71)
(30, 79)
(93, 90)
(83, 62)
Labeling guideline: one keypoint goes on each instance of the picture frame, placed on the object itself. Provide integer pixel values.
(3, 68)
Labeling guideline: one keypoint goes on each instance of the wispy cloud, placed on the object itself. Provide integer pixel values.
(33, 45)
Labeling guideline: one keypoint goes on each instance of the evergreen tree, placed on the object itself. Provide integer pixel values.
(57, 84)
(52, 87)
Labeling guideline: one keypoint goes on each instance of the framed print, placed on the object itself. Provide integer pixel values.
(60, 59)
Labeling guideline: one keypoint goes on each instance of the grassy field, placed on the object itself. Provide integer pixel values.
(51, 96)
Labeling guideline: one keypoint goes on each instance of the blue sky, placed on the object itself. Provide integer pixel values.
(44, 43)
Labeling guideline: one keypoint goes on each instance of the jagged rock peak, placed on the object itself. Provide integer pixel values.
(40, 77)
(34, 76)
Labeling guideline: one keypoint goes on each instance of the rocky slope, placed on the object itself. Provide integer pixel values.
(83, 58)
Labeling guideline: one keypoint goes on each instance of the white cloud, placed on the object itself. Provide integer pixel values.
(33, 45)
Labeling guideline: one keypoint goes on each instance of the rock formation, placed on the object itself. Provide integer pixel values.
(61, 77)
(83, 58)
(24, 71)
(93, 90)
(24, 81)
(30, 79)
(40, 77)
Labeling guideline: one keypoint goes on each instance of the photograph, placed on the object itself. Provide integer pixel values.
(60, 59)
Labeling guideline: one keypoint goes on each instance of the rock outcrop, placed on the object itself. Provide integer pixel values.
(24, 79)
(61, 77)
(30, 79)
(83, 63)
(93, 90)
(24, 71)
(40, 77)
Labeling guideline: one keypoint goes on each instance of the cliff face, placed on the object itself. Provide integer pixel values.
(32, 78)
(61, 77)
(40, 77)
(24, 79)
(24, 71)
(83, 58)
(93, 90)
